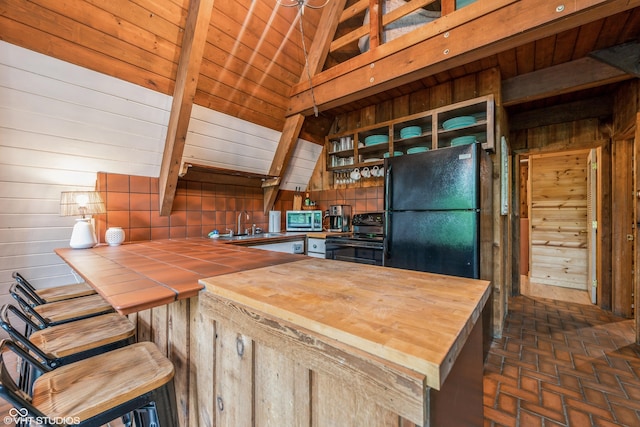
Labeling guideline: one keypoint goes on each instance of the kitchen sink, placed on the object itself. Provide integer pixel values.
(250, 236)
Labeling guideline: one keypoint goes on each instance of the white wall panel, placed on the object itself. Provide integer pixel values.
(221, 141)
(59, 125)
(303, 162)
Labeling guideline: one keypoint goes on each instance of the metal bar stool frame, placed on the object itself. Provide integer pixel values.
(161, 400)
(19, 293)
(50, 360)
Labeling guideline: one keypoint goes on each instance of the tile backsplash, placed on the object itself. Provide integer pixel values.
(132, 202)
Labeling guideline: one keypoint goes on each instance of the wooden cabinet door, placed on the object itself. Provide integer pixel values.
(558, 219)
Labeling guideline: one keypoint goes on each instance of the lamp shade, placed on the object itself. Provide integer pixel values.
(81, 203)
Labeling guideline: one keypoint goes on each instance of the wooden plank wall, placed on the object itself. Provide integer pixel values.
(622, 227)
(459, 89)
(59, 125)
(558, 219)
(266, 382)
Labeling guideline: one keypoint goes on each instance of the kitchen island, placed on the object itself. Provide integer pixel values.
(293, 340)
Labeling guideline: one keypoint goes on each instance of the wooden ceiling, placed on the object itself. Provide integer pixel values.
(253, 55)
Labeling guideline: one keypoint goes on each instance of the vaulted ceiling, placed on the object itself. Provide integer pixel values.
(246, 58)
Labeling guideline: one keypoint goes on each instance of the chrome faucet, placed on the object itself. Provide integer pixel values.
(239, 220)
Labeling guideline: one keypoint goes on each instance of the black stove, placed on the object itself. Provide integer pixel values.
(365, 245)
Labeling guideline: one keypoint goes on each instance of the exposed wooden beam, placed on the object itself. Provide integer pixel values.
(453, 40)
(193, 43)
(563, 113)
(571, 76)
(288, 140)
(625, 56)
(218, 176)
(293, 124)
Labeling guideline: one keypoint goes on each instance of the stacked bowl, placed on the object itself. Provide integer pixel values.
(376, 139)
(410, 132)
(458, 122)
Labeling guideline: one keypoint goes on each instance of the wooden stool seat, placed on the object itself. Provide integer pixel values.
(61, 311)
(53, 294)
(59, 293)
(75, 337)
(96, 385)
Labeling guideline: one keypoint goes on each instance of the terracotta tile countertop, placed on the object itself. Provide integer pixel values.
(138, 276)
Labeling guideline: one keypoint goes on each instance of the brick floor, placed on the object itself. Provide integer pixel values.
(562, 364)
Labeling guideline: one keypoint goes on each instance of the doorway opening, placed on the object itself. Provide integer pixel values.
(558, 225)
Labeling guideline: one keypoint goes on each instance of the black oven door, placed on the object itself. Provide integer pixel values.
(358, 252)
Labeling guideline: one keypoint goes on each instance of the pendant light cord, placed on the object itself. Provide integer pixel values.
(306, 61)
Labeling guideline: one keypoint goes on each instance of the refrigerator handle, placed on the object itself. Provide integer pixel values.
(387, 186)
(387, 213)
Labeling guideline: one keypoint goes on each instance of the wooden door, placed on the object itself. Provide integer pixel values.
(558, 219)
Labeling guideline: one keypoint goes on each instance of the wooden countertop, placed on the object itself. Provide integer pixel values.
(138, 276)
(417, 320)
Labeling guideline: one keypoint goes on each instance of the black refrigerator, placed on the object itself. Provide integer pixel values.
(432, 211)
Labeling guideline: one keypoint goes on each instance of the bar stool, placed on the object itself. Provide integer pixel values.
(63, 344)
(59, 312)
(56, 293)
(97, 390)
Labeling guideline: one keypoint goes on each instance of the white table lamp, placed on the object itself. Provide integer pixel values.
(73, 203)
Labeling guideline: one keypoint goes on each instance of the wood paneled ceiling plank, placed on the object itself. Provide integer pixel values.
(589, 34)
(629, 31)
(610, 34)
(508, 63)
(271, 24)
(255, 111)
(72, 34)
(564, 49)
(253, 37)
(108, 20)
(145, 27)
(225, 81)
(545, 49)
(228, 52)
(194, 40)
(175, 11)
(529, 20)
(39, 41)
(232, 53)
(569, 77)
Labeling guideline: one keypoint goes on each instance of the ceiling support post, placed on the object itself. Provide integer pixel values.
(193, 43)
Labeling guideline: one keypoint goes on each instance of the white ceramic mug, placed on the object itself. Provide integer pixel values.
(375, 171)
(366, 173)
(355, 174)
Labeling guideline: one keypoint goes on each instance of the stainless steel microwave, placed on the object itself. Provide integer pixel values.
(303, 220)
